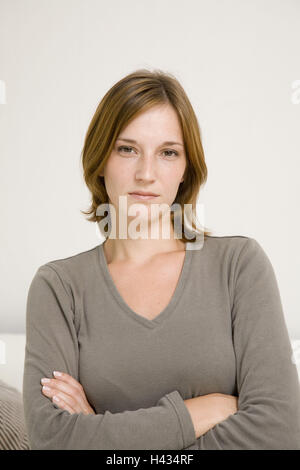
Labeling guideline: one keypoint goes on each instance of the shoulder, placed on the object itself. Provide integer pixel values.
(240, 250)
(72, 270)
(233, 254)
(229, 246)
(232, 243)
(244, 263)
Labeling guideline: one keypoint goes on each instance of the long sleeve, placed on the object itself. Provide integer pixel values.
(52, 344)
(268, 416)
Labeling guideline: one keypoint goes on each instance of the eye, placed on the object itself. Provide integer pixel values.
(124, 147)
(173, 151)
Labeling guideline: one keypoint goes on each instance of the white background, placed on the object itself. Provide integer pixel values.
(236, 59)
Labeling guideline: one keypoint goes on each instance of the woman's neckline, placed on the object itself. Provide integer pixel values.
(177, 294)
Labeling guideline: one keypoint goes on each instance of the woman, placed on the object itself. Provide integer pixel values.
(163, 342)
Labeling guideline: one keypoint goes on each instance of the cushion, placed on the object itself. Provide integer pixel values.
(13, 435)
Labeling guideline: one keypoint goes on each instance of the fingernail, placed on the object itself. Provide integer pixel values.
(46, 388)
(58, 374)
(44, 381)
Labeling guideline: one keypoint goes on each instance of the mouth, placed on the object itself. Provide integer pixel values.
(141, 195)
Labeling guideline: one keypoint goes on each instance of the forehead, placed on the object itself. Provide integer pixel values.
(159, 122)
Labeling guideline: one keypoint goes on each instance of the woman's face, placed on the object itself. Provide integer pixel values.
(148, 164)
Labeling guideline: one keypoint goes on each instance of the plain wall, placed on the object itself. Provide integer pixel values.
(238, 61)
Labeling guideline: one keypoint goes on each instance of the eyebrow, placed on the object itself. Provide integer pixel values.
(168, 142)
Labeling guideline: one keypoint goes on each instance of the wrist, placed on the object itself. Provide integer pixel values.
(203, 414)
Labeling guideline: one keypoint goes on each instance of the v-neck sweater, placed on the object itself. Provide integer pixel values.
(223, 331)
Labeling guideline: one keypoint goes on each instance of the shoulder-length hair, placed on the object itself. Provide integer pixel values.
(133, 94)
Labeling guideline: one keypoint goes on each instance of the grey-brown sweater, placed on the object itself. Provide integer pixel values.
(223, 331)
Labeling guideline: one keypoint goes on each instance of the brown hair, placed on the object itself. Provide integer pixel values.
(133, 94)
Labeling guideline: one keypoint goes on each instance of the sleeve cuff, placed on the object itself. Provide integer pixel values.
(184, 417)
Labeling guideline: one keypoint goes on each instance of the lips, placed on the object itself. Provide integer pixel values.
(140, 193)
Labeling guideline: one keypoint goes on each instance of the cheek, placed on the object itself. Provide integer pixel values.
(172, 172)
(171, 180)
(116, 177)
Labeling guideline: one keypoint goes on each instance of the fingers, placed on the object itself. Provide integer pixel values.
(61, 403)
(67, 379)
(68, 391)
(61, 399)
(63, 384)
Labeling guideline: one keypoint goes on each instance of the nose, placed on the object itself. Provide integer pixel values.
(145, 169)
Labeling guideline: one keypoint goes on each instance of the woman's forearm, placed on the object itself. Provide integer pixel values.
(208, 410)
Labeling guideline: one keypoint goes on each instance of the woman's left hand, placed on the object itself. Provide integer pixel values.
(69, 392)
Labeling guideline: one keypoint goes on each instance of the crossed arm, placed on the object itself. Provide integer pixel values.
(268, 415)
(206, 411)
